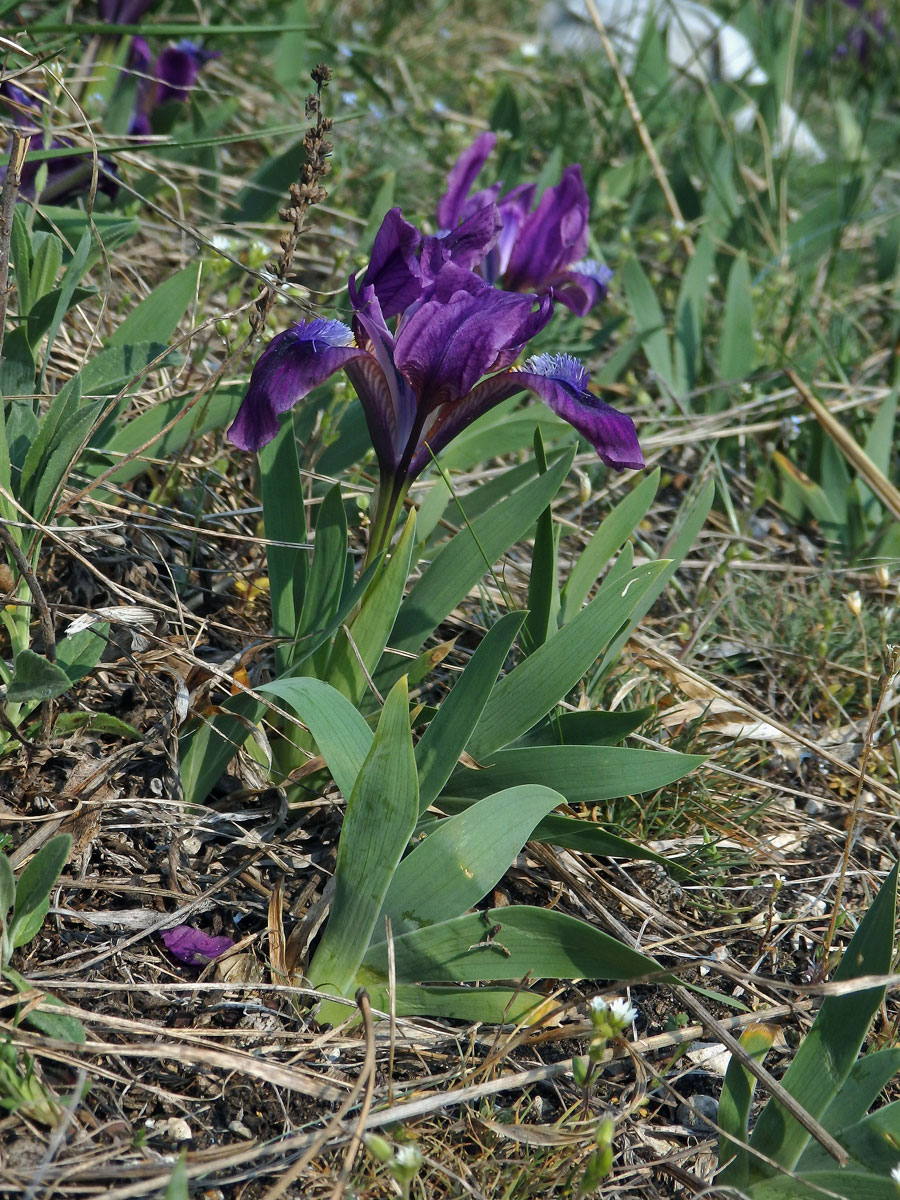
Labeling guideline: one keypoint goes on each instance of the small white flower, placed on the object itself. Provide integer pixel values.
(895, 1175)
(409, 1157)
(618, 1012)
(622, 1012)
(853, 600)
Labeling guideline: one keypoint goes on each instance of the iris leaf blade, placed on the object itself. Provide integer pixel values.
(465, 856)
(529, 691)
(462, 561)
(379, 821)
(542, 943)
(827, 1054)
(439, 748)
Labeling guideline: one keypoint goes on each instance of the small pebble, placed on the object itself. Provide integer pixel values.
(697, 1114)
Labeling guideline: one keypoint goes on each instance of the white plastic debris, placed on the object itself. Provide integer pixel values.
(698, 43)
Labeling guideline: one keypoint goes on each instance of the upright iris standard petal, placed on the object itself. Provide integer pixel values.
(293, 363)
(466, 331)
(553, 236)
(561, 382)
(535, 251)
(450, 210)
(394, 271)
(177, 69)
(467, 245)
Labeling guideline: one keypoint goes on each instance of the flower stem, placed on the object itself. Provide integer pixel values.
(388, 502)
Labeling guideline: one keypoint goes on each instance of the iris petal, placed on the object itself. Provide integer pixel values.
(461, 334)
(293, 363)
(459, 182)
(561, 382)
(393, 269)
(553, 236)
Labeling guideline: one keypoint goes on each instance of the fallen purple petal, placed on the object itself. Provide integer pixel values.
(194, 947)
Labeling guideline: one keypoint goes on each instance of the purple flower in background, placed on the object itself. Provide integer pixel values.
(193, 947)
(67, 174)
(170, 78)
(872, 28)
(448, 359)
(123, 12)
(537, 248)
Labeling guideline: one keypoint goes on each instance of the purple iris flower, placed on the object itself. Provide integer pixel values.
(123, 12)
(67, 174)
(170, 78)
(448, 360)
(537, 248)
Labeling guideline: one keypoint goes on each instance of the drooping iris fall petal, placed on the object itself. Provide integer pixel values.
(293, 363)
(537, 249)
(561, 382)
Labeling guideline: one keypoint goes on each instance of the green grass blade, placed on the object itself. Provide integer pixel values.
(691, 519)
(829, 1050)
(7, 889)
(116, 366)
(650, 321)
(156, 318)
(590, 728)
(34, 886)
(74, 271)
(612, 533)
(326, 574)
(879, 445)
(116, 439)
(62, 406)
(872, 1142)
(379, 821)
(490, 1005)
(206, 749)
(528, 693)
(819, 1185)
(463, 858)
(690, 312)
(473, 504)
(591, 838)
(47, 261)
(339, 730)
(71, 437)
(543, 588)
(440, 746)
(22, 255)
(867, 1080)
(736, 348)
